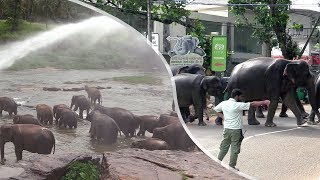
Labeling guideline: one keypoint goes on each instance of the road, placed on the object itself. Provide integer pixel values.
(282, 152)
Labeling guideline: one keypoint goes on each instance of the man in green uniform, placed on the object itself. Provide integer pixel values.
(231, 112)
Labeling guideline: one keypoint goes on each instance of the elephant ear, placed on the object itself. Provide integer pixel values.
(203, 83)
(6, 132)
(297, 72)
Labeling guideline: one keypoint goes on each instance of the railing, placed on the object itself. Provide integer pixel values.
(300, 33)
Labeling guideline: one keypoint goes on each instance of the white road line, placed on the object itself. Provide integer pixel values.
(262, 134)
(273, 132)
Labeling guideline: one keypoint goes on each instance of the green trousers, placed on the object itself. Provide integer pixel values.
(234, 138)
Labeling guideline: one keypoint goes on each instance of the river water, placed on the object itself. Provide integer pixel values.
(26, 87)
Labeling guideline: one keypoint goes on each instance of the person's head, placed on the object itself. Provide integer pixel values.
(236, 93)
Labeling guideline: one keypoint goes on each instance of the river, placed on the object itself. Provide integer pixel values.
(151, 97)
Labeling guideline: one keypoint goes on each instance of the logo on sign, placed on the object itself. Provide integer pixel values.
(219, 47)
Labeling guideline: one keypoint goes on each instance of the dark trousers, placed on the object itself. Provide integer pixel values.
(234, 138)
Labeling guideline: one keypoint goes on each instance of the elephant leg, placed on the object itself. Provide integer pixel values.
(18, 152)
(199, 112)
(252, 120)
(259, 113)
(300, 106)
(271, 111)
(183, 114)
(290, 101)
(283, 112)
(81, 113)
(311, 118)
(218, 121)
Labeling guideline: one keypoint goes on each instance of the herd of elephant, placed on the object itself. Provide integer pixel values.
(28, 132)
(259, 79)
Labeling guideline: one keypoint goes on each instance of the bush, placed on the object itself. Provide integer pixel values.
(82, 171)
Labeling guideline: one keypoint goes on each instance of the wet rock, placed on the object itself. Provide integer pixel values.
(72, 89)
(99, 87)
(8, 172)
(126, 88)
(129, 164)
(108, 87)
(51, 89)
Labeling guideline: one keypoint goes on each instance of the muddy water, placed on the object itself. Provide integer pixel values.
(27, 88)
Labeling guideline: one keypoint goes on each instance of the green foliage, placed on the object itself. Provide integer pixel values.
(25, 29)
(82, 171)
(297, 26)
(166, 12)
(198, 30)
(269, 20)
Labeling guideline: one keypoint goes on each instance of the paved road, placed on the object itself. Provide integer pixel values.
(282, 152)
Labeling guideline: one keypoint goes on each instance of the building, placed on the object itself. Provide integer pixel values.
(217, 18)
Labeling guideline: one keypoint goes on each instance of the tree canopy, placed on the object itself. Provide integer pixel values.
(270, 19)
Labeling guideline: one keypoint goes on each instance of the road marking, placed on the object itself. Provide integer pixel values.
(256, 135)
(273, 132)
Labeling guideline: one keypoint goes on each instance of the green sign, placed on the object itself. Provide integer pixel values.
(219, 53)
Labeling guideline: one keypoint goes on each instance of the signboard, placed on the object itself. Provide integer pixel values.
(155, 41)
(219, 53)
(186, 51)
(187, 59)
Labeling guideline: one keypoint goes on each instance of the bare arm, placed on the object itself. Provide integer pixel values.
(219, 114)
(260, 103)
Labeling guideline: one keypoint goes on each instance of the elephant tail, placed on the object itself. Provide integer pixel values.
(54, 144)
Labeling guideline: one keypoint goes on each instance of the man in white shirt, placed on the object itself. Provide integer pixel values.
(231, 112)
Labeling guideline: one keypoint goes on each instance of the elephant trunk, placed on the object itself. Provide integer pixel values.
(312, 98)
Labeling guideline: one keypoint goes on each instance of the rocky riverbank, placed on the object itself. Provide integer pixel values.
(123, 164)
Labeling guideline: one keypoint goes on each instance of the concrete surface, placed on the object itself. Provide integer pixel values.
(282, 152)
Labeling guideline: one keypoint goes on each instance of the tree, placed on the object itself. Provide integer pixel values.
(13, 13)
(270, 19)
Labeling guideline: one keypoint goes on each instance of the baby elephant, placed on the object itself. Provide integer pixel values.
(151, 144)
(175, 135)
(68, 118)
(103, 127)
(93, 94)
(26, 119)
(147, 123)
(44, 113)
(57, 110)
(9, 105)
(29, 137)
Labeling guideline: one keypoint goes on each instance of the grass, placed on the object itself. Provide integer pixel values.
(25, 29)
(145, 79)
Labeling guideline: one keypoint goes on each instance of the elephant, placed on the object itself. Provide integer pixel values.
(317, 97)
(173, 113)
(103, 127)
(185, 45)
(191, 69)
(166, 119)
(175, 135)
(44, 113)
(81, 102)
(272, 79)
(57, 110)
(29, 137)
(26, 119)
(192, 90)
(68, 118)
(93, 94)
(151, 144)
(124, 119)
(9, 105)
(147, 123)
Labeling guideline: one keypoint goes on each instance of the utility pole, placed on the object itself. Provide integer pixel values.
(149, 20)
